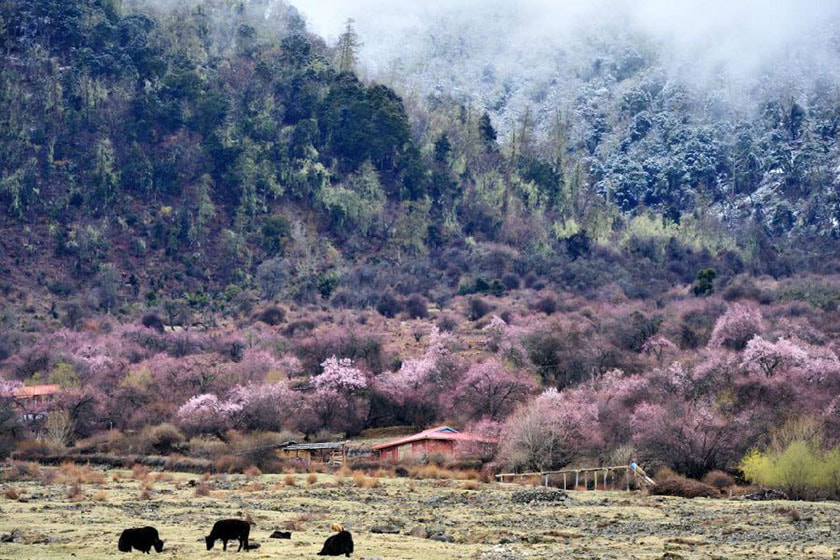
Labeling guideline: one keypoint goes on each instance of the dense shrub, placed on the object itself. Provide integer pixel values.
(299, 327)
(511, 281)
(736, 327)
(272, 316)
(546, 304)
(477, 308)
(704, 285)
(447, 323)
(415, 307)
(388, 305)
(357, 344)
(154, 322)
(742, 287)
(802, 470)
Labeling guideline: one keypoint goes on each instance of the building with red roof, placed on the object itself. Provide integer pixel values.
(33, 401)
(37, 393)
(441, 439)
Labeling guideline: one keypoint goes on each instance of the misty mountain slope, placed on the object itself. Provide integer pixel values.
(738, 115)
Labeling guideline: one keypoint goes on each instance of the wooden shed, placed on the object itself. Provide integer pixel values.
(329, 452)
(441, 439)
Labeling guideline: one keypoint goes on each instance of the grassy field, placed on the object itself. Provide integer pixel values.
(60, 519)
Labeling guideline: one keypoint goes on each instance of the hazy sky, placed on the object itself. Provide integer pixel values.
(740, 34)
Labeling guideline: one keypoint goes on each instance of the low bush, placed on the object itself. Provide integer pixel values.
(719, 480)
(112, 441)
(162, 439)
(684, 488)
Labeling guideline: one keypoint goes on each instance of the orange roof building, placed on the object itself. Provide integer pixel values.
(36, 391)
(441, 439)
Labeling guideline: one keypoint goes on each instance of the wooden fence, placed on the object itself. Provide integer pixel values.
(603, 478)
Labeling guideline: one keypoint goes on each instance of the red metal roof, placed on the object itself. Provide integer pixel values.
(28, 392)
(440, 433)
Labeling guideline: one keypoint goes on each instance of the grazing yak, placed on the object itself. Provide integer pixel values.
(338, 544)
(143, 539)
(281, 535)
(229, 530)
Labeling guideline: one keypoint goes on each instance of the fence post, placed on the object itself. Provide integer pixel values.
(564, 481)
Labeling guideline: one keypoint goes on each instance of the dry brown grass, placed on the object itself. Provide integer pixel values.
(71, 473)
(252, 472)
(792, 513)
(433, 471)
(19, 470)
(140, 472)
(290, 480)
(100, 496)
(203, 489)
(253, 487)
(227, 464)
(301, 521)
(361, 480)
(11, 493)
(312, 478)
(535, 481)
(665, 474)
(470, 485)
(163, 477)
(146, 495)
(75, 493)
(384, 473)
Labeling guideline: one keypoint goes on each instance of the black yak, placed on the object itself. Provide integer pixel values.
(338, 544)
(229, 530)
(281, 535)
(143, 539)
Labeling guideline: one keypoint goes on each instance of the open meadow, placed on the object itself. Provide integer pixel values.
(79, 513)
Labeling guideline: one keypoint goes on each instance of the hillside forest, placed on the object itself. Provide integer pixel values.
(214, 231)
